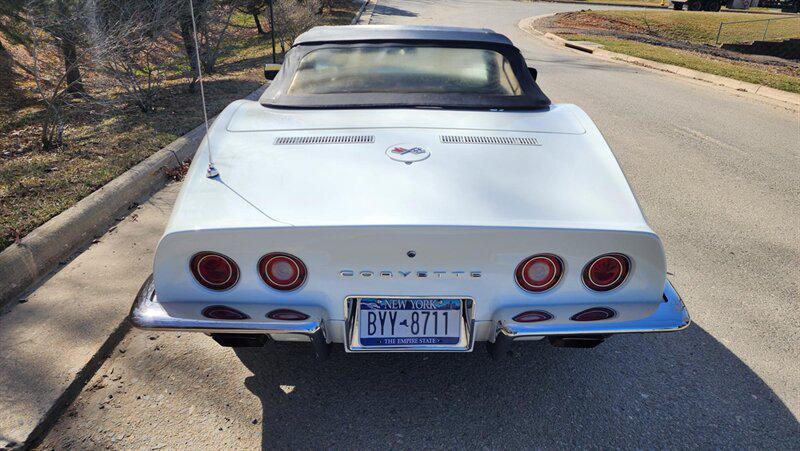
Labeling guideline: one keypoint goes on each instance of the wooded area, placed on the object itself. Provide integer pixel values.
(75, 50)
(88, 88)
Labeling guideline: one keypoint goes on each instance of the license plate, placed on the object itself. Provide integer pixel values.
(409, 322)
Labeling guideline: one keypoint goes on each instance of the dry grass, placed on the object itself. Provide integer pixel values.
(666, 5)
(685, 39)
(628, 2)
(36, 185)
(697, 27)
(737, 70)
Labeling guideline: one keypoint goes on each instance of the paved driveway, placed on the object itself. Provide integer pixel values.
(718, 175)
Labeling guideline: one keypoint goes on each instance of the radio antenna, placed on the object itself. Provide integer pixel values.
(211, 172)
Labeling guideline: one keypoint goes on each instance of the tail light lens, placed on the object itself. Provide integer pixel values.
(606, 272)
(285, 314)
(539, 272)
(223, 312)
(214, 271)
(282, 271)
(533, 316)
(594, 314)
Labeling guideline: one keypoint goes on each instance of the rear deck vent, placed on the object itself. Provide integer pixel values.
(508, 140)
(333, 139)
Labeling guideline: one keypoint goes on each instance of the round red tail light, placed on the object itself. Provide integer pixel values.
(282, 271)
(214, 271)
(539, 273)
(606, 272)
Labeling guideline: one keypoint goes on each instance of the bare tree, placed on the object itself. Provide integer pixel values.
(213, 23)
(66, 29)
(187, 35)
(131, 46)
(213, 35)
(59, 19)
(50, 85)
(254, 8)
(293, 17)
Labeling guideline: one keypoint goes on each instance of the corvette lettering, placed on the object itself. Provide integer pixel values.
(407, 274)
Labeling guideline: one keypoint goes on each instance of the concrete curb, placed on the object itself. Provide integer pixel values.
(53, 344)
(37, 254)
(793, 100)
(579, 46)
(368, 10)
(355, 20)
(63, 237)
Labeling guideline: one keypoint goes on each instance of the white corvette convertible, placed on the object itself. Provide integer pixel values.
(403, 188)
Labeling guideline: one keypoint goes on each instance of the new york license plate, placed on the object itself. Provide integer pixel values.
(409, 322)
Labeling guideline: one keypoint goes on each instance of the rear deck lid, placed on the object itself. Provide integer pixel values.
(424, 167)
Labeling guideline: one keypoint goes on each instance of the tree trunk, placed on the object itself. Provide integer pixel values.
(188, 46)
(8, 88)
(73, 72)
(209, 65)
(258, 24)
(67, 38)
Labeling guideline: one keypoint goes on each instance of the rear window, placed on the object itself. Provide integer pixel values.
(404, 69)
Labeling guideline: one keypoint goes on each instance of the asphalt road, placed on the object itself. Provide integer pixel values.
(718, 175)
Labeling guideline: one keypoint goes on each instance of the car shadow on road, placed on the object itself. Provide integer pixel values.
(385, 10)
(645, 391)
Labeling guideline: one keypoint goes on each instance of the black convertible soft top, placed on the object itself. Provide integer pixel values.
(277, 94)
(361, 33)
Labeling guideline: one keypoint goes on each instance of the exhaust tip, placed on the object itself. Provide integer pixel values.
(576, 341)
(240, 340)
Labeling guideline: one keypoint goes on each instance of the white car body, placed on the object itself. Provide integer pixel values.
(320, 185)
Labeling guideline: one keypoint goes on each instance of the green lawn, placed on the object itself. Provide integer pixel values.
(629, 2)
(699, 27)
(666, 4)
(737, 71)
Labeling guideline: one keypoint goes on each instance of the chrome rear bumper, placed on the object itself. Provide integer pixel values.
(670, 316)
(147, 313)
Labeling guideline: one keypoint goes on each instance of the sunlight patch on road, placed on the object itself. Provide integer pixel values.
(287, 388)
